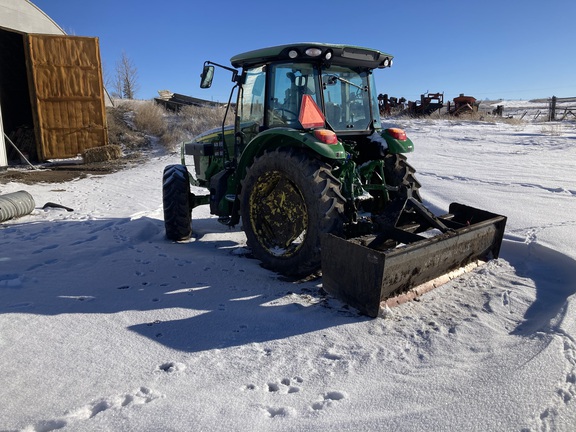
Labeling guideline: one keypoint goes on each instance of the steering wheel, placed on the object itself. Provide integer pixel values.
(292, 117)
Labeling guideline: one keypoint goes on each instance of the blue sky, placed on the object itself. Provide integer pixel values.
(504, 49)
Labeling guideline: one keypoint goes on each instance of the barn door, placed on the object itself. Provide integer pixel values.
(67, 93)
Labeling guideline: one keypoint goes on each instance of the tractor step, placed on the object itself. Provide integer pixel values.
(364, 277)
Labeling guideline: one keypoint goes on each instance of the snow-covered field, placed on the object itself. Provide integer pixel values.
(107, 326)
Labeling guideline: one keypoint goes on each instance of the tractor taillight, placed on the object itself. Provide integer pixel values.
(326, 136)
(397, 133)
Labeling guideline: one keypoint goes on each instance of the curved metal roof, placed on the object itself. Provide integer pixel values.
(25, 17)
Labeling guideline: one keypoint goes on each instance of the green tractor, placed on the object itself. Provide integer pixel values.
(318, 183)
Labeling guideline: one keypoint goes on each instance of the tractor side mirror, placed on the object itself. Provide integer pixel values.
(207, 76)
(329, 80)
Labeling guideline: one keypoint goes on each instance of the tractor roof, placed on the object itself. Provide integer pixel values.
(345, 55)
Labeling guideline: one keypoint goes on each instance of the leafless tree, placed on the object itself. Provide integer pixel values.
(110, 82)
(125, 83)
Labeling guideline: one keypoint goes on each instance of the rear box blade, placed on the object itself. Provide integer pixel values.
(363, 277)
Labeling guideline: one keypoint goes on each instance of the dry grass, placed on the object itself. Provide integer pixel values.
(121, 131)
(477, 116)
(488, 117)
(552, 129)
(133, 124)
(195, 120)
(149, 117)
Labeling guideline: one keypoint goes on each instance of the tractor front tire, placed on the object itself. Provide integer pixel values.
(176, 200)
(289, 199)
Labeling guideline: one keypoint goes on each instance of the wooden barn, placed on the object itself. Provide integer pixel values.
(52, 98)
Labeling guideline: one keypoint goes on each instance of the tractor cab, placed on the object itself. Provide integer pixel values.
(343, 95)
(275, 81)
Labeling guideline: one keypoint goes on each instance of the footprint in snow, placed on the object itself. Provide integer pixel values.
(141, 396)
(45, 248)
(284, 386)
(280, 411)
(332, 356)
(171, 367)
(328, 400)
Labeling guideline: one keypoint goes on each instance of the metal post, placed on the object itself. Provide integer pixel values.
(552, 113)
(3, 154)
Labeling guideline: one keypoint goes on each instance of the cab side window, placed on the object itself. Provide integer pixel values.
(251, 108)
(289, 83)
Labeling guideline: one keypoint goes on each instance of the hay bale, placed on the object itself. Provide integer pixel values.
(102, 154)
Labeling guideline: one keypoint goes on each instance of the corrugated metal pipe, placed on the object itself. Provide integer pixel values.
(15, 204)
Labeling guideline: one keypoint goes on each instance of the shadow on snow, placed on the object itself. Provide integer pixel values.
(554, 275)
(198, 295)
(205, 294)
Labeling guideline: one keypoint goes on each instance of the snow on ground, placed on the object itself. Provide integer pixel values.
(105, 325)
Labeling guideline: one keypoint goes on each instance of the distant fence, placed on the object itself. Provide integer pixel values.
(551, 109)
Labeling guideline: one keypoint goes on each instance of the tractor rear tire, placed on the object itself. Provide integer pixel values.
(176, 200)
(289, 199)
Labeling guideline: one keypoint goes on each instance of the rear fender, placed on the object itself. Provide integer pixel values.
(286, 137)
(268, 140)
(396, 145)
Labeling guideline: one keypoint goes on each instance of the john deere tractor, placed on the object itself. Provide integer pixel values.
(317, 182)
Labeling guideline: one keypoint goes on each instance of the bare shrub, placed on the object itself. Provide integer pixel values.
(116, 124)
(121, 131)
(196, 120)
(149, 117)
(173, 135)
